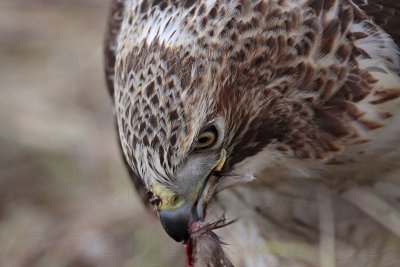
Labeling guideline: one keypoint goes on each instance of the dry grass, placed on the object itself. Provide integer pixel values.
(65, 198)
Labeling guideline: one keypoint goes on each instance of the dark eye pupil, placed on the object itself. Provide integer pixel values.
(203, 140)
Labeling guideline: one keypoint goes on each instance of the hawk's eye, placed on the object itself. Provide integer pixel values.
(206, 139)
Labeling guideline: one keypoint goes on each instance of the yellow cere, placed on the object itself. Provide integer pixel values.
(169, 200)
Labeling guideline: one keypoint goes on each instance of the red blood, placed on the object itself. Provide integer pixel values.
(188, 250)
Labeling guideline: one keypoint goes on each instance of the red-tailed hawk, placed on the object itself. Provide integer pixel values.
(282, 115)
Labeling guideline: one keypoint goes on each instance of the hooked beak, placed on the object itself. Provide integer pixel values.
(176, 212)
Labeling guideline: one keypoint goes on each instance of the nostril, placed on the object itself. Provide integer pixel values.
(154, 200)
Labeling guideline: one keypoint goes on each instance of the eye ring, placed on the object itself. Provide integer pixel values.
(206, 139)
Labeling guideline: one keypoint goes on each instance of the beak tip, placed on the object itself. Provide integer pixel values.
(176, 223)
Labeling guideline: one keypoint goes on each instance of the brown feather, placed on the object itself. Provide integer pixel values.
(115, 18)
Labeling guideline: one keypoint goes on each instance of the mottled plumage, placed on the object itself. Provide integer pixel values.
(303, 99)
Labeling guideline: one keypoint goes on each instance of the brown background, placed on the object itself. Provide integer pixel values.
(65, 197)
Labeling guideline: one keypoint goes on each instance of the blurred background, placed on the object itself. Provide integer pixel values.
(65, 196)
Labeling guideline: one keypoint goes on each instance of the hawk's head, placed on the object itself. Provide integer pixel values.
(184, 124)
(201, 88)
(187, 116)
